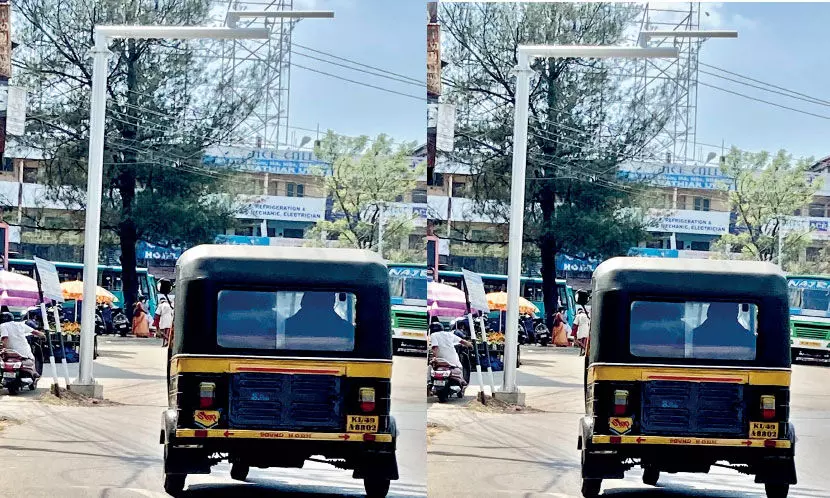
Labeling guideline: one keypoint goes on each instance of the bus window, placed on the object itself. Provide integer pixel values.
(111, 280)
(532, 291)
(142, 285)
(69, 274)
(494, 285)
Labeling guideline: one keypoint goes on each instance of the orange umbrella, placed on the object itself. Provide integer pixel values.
(74, 290)
(498, 302)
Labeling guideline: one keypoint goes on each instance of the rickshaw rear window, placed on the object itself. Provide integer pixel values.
(693, 329)
(286, 320)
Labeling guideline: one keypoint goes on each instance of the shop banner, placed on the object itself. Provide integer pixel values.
(273, 207)
(152, 252)
(50, 285)
(674, 175)
(688, 221)
(647, 252)
(568, 263)
(475, 291)
(241, 240)
(276, 161)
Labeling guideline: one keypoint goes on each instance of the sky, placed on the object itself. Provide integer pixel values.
(779, 43)
(390, 35)
(785, 44)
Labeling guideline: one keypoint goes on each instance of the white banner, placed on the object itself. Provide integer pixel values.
(272, 207)
(688, 221)
(16, 113)
(445, 138)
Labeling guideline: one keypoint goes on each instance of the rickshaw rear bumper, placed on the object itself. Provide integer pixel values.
(603, 456)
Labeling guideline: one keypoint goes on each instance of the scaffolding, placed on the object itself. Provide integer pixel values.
(676, 142)
(267, 126)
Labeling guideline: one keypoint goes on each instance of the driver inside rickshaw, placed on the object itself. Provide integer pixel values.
(722, 329)
(317, 316)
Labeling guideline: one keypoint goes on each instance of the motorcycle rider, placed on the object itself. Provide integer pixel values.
(13, 335)
(443, 344)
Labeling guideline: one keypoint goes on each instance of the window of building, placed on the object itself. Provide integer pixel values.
(680, 244)
(818, 210)
(416, 241)
(702, 204)
(293, 233)
(29, 175)
(681, 202)
(272, 231)
(419, 196)
(459, 189)
(438, 179)
(273, 187)
(294, 190)
(700, 246)
(8, 164)
(813, 254)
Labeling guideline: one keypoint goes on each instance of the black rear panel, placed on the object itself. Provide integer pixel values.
(693, 408)
(280, 401)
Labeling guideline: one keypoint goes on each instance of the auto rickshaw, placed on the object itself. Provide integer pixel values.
(280, 354)
(688, 367)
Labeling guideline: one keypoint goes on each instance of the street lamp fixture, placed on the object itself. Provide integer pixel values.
(645, 36)
(526, 55)
(234, 16)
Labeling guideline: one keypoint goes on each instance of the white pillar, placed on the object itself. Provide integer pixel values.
(517, 217)
(98, 101)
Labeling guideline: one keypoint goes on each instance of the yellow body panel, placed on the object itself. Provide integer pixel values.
(300, 366)
(639, 373)
(255, 434)
(690, 441)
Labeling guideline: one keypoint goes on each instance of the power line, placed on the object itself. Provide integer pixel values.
(809, 100)
(380, 75)
(765, 83)
(359, 82)
(415, 80)
(764, 101)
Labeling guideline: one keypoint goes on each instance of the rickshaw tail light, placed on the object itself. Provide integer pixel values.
(207, 394)
(620, 402)
(768, 407)
(367, 399)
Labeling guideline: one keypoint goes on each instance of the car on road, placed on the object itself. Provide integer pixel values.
(688, 367)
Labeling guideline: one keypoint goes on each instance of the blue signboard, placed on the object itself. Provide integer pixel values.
(152, 252)
(406, 272)
(799, 283)
(568, 263)
(677, 176)
(241, 240)
(647, 252)
(287, 162)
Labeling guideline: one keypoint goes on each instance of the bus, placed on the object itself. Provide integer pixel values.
(109, 277)
(408, 290)
(809, 314)
(529, 287)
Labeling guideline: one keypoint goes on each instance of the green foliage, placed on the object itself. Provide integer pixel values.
(165, 105)
(584, 122)
(368, 176)
(767, 191)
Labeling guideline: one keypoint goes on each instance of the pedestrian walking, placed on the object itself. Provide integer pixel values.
(560, 334)
(582, 326)
(141, 327)
(164, 320)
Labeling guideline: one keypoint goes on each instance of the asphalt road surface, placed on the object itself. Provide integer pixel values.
(474, 453)
(114, 451)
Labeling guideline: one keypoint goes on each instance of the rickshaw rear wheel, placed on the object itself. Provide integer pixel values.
(591, 487)
(777, 490)
(239, 471)
(651, 476)
(174, 484)
(376, 487)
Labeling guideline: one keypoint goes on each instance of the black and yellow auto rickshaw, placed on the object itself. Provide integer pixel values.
(688, 366)
(280, 354)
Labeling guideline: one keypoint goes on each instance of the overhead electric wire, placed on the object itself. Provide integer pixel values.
(360, 82)
(415, 80)
(763, 101)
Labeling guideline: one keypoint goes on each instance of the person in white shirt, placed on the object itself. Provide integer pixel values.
(165, 320)
(582, 324)
(13, 335)
(443, 344)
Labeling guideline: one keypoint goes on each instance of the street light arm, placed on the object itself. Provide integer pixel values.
(646, 35)
(177, 32)
(234, 16)
(528, 52)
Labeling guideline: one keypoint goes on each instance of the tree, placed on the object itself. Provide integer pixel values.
(767, 192)
(165, 106)
(368, 177)
(584, 121)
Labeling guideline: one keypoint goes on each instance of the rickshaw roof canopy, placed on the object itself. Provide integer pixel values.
(698, 276)
(266, 264)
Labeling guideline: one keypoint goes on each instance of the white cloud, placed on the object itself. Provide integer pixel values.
(714, 16)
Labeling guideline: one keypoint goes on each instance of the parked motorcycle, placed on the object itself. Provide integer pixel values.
(537, 330)
(445, 380)
(20, 372)
(120, 323)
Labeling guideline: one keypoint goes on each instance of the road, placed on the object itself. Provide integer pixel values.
(113, 451)
(534, 454)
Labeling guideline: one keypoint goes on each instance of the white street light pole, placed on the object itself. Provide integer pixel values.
(100, 53)
(526, 54)
(234, 16)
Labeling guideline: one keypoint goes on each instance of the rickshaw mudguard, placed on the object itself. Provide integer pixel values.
(780, 469)
(168, 425)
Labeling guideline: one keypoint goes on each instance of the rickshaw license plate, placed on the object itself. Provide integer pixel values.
(811, 343)
(763, 430)
(361, 423)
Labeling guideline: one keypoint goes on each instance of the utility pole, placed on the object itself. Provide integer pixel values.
(433, 84)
